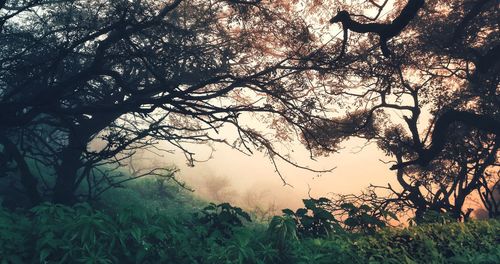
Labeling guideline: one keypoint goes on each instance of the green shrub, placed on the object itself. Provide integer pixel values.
(282, 234)
(82, 234)
(222, 218)
(14, 237)
(472, 242)
(313, 220)
(360, 218)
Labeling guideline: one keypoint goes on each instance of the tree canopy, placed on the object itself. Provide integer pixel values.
(85, 83)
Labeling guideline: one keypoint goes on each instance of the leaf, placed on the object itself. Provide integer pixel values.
(210, 207)
(301, 212)
(225, 206)
(246, 216)
(309, 203)
(288, 212)
(324, 215)
(351, 222)
(307, 221)
(347, 206)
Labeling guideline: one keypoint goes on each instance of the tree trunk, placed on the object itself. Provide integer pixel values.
(64, 189)
(71, 157)
(28, 180)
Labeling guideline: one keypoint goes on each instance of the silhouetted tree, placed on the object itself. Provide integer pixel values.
(431, 57)
(85, 83)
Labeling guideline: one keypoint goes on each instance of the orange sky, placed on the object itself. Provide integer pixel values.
(354, 171)
(356, 168)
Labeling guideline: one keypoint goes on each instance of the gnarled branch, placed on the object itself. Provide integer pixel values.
(385, 31)
(482, 122)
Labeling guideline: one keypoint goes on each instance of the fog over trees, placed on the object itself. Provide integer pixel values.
(84, 85)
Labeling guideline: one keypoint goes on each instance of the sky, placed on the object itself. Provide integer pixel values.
(246, 181)
(356, 167)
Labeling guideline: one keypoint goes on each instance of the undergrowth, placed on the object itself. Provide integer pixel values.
(142, 229)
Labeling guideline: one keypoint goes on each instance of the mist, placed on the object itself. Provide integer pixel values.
(228, 175)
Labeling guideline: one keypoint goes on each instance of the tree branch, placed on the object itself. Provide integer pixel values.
(439, 135)
(474, 11)
(385, 31)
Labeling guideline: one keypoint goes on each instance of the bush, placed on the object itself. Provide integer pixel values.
(81, 234)
(313, 220)
(14, 237)
(472, 242)
(222, 218)
(362, 220)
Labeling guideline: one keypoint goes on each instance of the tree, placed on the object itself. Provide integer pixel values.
(122, 75)
(129, 73)
(420, 66)
(445, 185)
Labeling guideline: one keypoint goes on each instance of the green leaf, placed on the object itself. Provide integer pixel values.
(347, 206)
(301, 212)
(324, 215)
(288, 212)
(309, 203)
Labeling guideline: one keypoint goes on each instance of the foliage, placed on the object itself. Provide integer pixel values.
(150, 193)
(88, 82)
(424, 72)
(282, 233)
(14, 243)
(313, 220)
(317, 219)
(361, 219)
(336, 249)
(472, 242)
(80, 234)
(245, 246)
(222, 218)
(430, 217)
